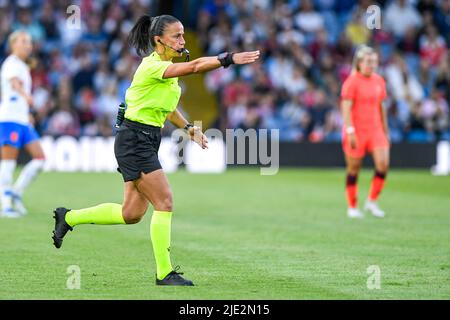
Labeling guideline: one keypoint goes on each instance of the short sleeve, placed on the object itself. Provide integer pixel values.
(11, 70)
(156, 69)
(349, 89)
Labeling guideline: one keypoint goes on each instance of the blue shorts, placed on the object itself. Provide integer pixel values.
(17, 135)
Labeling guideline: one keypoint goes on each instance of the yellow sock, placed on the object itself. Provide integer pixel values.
(160, 234)
(105, 213)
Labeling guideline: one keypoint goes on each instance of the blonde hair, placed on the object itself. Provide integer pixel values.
(13, 37)
(360, 53)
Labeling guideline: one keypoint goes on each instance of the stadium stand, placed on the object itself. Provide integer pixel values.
(81, 75)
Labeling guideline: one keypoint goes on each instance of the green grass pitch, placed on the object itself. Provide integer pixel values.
(238, 235)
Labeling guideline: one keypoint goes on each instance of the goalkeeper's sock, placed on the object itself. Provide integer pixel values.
(352, 190)
(160, 235)
(105, 213)
(377, 185)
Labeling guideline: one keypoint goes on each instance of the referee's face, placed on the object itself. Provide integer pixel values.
(173, 36)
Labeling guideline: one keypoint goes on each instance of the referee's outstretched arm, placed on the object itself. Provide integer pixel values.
(205, 64)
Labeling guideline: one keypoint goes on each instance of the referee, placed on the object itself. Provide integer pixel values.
(151, 99)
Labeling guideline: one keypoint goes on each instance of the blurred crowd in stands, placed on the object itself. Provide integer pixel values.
(81, 74)
(84, 66)
(307, 48)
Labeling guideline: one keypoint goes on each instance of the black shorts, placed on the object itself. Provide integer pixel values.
(136, 149)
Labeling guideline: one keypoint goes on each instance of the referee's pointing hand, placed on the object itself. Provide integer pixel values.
(245, 57)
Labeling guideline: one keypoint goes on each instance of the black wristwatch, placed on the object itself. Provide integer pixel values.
(189, 125)
(226, 58)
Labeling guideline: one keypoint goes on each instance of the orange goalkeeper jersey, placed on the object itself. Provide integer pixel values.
(367, 93)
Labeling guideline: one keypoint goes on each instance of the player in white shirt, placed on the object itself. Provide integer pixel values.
(16, 131)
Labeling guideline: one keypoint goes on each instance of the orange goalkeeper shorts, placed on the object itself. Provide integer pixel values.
(366, 142)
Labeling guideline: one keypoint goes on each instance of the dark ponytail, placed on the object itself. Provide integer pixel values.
(146, 28)
(140, 34)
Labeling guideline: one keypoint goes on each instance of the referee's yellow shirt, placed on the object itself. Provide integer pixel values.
(150, 98)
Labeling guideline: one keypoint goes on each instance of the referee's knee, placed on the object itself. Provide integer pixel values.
(164, 204)
(131, 216)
